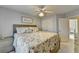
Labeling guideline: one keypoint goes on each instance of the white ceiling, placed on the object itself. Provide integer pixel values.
(30, 9)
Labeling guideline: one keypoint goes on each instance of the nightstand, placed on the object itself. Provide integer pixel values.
(6, 45)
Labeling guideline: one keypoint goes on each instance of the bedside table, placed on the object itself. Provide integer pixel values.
(6, 45)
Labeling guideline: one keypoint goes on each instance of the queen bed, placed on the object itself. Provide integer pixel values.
(29, 39)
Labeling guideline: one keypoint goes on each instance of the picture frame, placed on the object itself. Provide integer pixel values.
(26, 19)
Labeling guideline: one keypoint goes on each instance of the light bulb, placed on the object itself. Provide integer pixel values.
(41, 14)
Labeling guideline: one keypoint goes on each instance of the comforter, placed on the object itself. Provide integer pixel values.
(38, 42)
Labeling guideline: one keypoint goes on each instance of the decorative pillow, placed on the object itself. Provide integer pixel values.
(34, 29)
(29, 31)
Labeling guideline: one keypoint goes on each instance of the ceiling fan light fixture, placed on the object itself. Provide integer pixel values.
(41, 14)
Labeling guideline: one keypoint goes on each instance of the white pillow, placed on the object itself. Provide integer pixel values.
(21, 29)
(29, 31)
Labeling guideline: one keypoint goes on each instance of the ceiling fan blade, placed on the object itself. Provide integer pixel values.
(44, 8)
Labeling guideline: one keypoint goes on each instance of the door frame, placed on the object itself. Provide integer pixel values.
(75, 17)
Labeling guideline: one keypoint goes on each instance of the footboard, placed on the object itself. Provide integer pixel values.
(51, 45)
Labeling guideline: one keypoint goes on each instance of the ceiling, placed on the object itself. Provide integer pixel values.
(30, 9)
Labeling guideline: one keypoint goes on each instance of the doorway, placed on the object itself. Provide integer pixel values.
(73, 29)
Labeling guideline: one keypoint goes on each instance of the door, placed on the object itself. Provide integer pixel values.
(77, 37)
(72, 28)
(63, 29)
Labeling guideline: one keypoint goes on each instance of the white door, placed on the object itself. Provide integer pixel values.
(72, 28)
(77, 38)
(64, 29)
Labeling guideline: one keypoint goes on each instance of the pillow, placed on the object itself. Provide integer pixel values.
(21, 29)
(29, 31)
(34, 29)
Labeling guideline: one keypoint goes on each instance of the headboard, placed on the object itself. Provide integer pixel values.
(21, 25)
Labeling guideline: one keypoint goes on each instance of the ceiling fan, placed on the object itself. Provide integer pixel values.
(42, 10)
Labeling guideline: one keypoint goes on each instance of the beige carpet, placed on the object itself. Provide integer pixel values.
(76, 46)
(67, 47)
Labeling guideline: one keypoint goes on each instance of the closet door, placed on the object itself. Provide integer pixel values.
(63, 29)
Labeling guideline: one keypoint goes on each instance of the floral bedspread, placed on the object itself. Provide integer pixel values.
(36, 42)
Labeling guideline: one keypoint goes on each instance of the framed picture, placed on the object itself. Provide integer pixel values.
(26, 19)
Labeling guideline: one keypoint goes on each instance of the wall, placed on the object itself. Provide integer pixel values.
(74, 14)
(63, 29)
(10, 17)
(49, 23)
(56, 23)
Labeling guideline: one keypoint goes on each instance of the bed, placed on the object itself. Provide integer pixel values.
(34, 40)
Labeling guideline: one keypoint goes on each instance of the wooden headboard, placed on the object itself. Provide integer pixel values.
(21, 25)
